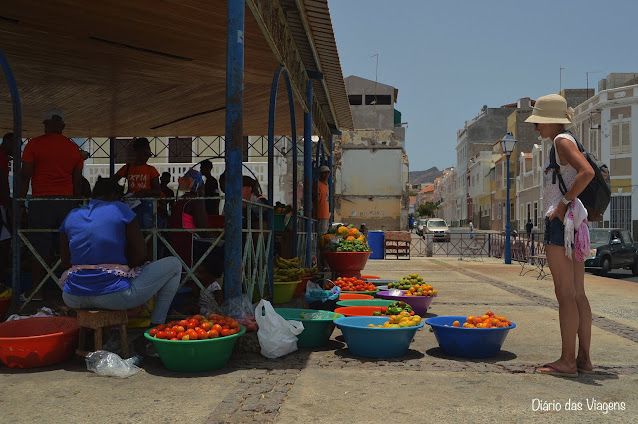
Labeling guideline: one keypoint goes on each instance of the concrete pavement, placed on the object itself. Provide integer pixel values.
(330, 385)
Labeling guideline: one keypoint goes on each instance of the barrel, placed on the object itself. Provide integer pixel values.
(375, 241)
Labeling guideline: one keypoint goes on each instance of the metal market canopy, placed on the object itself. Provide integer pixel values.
(158, 68)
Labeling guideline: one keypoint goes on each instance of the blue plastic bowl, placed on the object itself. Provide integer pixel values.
(375, 342)
(467, 342)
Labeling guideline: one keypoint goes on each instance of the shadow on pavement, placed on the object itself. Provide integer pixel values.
(410, 354)
(503, 355)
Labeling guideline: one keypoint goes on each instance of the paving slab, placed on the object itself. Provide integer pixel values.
(431, 397)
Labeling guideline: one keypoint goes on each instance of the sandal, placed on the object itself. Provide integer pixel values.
(554, 370)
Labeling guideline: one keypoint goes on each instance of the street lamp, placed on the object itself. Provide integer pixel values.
(507, 144)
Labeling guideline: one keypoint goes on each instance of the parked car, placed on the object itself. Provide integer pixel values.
(611, 248)
(438, 228)
(419, 225)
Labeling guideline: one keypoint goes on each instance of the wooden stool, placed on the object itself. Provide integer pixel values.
(98, 320)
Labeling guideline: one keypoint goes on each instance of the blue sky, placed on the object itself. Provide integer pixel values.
(449, 58)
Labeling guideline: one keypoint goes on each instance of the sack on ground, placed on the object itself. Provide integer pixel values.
(277, 337)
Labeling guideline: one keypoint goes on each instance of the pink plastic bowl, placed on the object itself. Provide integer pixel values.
(420, 304)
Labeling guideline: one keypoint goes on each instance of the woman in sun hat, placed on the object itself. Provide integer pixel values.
(550, 117)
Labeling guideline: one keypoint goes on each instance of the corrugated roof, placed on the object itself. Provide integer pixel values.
(125, 68)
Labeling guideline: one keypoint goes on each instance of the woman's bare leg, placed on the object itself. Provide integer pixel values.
(583, 360)
(562, 269)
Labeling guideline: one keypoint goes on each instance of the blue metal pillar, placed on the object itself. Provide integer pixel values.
(331, 179)
(508, 227)
(295, 197)
(17, 174)
(271, 157)
(111, 156)
(307, 172)
(233, 274)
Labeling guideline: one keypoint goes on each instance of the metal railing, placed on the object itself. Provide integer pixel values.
(256, 251)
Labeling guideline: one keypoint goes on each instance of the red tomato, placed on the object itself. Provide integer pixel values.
(160, 327)
(225, 332)
(153, 332)
(161, 335)
(205, 326)
(180, 335)
(183, 323)
(212, 334)
(198, 317)
(174, 338)
(170, 334)
(193, 321)
(191, 325)
(217, 328)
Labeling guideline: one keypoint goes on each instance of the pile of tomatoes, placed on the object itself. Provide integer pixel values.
(488, 320)
(197, 327)
(354, 284)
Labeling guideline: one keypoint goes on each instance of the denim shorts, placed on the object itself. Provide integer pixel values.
(554, 232)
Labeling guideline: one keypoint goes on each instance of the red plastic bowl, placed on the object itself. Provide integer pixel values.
(358, 311)
(5, 305)
(37, 342)
(354, 296)
(347, 264)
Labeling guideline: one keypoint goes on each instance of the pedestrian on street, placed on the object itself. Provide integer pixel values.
(528, 227)
(471, 230)
(550, 117)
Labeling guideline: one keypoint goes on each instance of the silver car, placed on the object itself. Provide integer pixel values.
(438, 228)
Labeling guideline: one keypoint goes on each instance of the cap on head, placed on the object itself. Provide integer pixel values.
(551, 109)
(324, 168)
(54, 115)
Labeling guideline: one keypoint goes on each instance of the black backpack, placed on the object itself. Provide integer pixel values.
(597, 195)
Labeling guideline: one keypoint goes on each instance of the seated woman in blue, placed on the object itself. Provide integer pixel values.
(103, 248)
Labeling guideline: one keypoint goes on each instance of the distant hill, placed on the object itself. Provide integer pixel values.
(427, 176)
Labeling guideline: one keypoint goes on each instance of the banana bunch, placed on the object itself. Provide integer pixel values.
(4, 291)
(309, 272)
(287, 269)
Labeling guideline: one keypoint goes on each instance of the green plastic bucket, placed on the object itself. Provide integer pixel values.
(195, 355)
(283, 291)
(317, 328)
(364, 302)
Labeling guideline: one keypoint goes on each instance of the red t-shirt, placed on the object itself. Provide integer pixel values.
(4, 165)
(139, 176)
(54, 158)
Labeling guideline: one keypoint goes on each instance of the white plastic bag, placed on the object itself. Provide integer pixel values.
(277, 337)
(111, 364)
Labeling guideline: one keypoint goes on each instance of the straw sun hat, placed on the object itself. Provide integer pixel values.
(551, 109)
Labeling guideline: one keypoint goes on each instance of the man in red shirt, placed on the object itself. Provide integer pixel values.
(321, 200)
(6, 151)
(52, 165)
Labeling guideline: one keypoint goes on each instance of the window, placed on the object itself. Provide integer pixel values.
(626, 237)
(621, 212)
(355, 99)
(536, 214)
(124, 152)
(620, 138)
(529, 211)
(179, 150)
(379, 99)
(499, 213)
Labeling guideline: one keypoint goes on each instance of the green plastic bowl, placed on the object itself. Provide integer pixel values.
(195, 355)
(364, 302)
(283, 291)
(317, 330)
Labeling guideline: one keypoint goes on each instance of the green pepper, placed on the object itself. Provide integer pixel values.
(376, 313)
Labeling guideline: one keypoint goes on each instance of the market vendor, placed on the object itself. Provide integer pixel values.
(103, 248)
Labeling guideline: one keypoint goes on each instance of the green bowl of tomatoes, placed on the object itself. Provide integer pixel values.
(202, 354)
